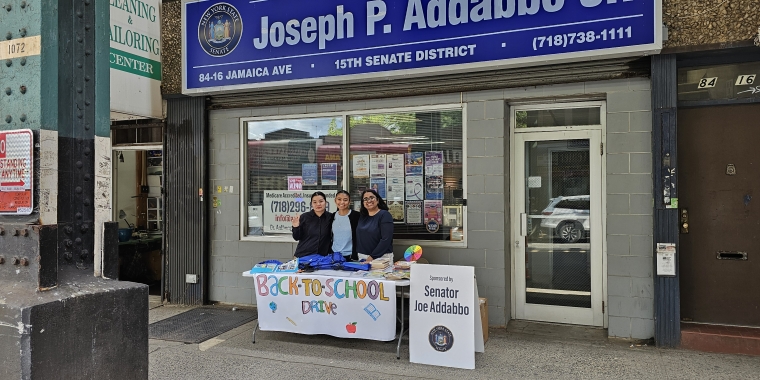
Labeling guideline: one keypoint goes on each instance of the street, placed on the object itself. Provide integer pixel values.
(527, 350)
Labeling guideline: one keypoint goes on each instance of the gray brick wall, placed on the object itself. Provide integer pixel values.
(629, 211)
(628, 182)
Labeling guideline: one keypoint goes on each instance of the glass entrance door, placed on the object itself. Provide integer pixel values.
(558, 227)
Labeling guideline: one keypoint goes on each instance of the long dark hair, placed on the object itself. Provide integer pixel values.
(380, 202)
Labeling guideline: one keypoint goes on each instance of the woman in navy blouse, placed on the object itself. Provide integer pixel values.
(374, 233)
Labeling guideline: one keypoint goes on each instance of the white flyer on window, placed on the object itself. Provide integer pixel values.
(395, 189)
(434, 163)
(395, 165)
(415, 190)
(377, 165)
(413, 212)
(396, 208)
(361, 166)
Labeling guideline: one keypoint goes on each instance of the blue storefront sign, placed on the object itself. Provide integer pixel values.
(248, 44)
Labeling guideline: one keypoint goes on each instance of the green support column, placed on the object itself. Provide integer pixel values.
(69, 322)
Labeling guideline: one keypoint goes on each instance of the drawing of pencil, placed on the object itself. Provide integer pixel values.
(291, 321)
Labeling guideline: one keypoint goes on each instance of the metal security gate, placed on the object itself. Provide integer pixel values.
(185, 182)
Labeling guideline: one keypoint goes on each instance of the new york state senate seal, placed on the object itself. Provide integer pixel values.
(220, 29)
(441, 338)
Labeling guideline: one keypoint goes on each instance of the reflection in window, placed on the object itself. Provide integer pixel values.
(414, 161)
(557, 117)
(287, 160)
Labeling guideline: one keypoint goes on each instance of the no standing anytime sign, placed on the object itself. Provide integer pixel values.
(16, 172)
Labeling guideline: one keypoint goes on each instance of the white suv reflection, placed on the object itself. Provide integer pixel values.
(567, 218)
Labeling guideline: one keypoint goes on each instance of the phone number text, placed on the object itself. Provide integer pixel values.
(563, 40)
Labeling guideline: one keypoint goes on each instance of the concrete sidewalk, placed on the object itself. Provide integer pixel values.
(527, 350)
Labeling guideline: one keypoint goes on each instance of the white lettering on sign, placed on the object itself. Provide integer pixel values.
(323, 28)
(20, 47)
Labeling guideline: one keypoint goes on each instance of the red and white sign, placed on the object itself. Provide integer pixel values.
(295, 183)
(16, 168)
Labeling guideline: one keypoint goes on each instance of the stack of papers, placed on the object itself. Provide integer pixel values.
(380, 264)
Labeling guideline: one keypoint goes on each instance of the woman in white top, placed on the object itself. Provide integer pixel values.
(344, 226)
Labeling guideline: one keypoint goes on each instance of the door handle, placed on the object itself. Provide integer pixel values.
(523, 224)
(684, 221)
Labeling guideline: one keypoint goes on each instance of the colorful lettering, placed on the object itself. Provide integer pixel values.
(293, 285)
(316, 287)
(382, 293)
(361, 289)
(329, 290)
(273, 289)
(350, 287)
(307, 285)
(279, 286)
(338, 296)
(261, 285)
(372, 290)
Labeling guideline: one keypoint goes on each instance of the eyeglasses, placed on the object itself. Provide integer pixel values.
(369, 199)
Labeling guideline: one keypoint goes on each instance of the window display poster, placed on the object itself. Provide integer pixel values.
(434, 163)
(395, 167)
(434, 187)
(309, 174)
(281, 206)
(433, 215)
(361, 165)
(396, 208)
(413, 212)
(295, 183)
(330, 174)
(378, 184)
(414, 188)
(414, 162)
(395, 188)
(377, 165)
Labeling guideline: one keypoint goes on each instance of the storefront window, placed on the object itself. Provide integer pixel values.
(715, 83)
(414, 161)
(562, 117)
(286, 161)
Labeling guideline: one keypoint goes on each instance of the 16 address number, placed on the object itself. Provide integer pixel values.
(745, 80)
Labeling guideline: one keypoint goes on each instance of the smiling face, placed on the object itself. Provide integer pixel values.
(370, 201)
(318, 204)
(342, 201)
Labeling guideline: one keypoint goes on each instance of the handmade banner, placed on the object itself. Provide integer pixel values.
(344, 307)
